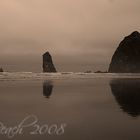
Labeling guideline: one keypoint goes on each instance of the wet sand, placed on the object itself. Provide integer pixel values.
(89, 108)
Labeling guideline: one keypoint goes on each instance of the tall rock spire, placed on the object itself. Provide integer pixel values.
(48, 65)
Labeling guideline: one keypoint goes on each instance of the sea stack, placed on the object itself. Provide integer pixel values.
(126, 58)
(1, 70)
(48, 65)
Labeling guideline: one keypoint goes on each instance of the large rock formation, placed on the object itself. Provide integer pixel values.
(48, 65)
(126, 58)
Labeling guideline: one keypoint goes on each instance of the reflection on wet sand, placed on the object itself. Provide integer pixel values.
(127, 94)
(47, 89)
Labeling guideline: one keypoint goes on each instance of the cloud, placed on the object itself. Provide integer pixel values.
(76, 26)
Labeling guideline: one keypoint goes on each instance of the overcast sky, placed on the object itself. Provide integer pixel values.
(66, 27)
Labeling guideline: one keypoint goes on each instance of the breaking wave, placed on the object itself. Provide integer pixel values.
(61, 75)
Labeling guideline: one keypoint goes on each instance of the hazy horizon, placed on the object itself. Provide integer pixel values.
(81, 35)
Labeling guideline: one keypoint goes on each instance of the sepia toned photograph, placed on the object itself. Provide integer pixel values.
(70, 70)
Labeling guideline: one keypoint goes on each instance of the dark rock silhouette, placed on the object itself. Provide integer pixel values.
(48, 65)
(100, 71)
(47, 88)
(88, 71)
(1, 70)
(127, 94)
(126, 58)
